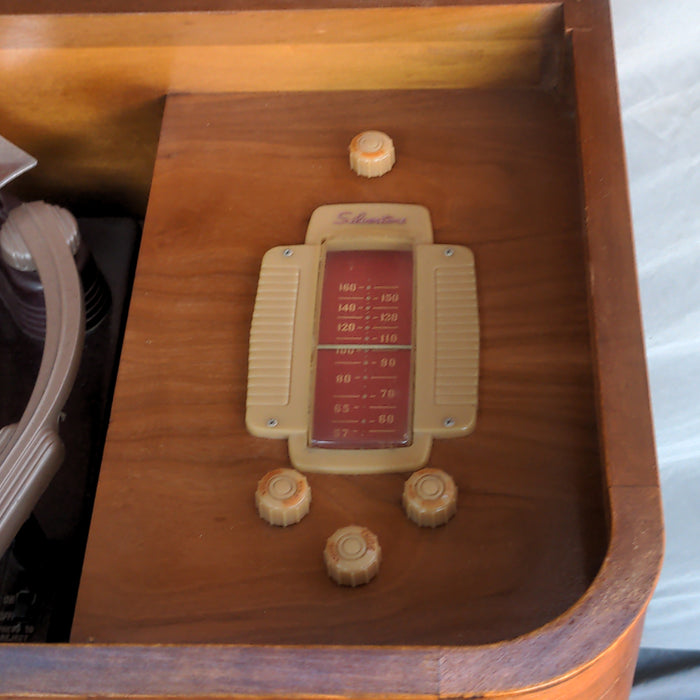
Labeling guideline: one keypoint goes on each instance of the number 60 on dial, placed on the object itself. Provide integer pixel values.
(364, 344)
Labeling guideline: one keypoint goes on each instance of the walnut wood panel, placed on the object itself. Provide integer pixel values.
(586, 652)
(244, 672)
(618, 336)
(249, 26)
(572, 658)
(84, 95)
(177, 552)
(51, 7)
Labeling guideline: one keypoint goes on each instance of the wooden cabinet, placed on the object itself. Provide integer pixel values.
(236, 123)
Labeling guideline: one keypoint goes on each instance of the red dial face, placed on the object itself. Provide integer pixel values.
(362, 394)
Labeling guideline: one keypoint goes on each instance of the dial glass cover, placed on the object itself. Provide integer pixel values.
(362, 396)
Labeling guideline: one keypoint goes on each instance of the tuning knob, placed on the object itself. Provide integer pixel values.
(372, 154)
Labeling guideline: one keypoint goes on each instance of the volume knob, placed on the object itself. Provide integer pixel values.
(430, 497)
(283, 497)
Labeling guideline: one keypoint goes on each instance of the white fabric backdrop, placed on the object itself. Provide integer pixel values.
(658, 59)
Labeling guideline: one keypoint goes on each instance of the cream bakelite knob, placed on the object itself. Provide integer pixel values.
(283, 497)
(430, 497)
(352, 555)
(372, 154)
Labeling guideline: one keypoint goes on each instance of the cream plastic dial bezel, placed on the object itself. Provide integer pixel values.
(446, 337)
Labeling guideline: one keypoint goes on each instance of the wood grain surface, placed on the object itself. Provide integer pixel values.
(177, 552)
(559, 522)
(85, 90)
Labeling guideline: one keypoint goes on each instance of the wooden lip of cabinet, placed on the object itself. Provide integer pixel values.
(85, 95)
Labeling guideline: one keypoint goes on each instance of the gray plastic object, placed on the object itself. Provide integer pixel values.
(13, 161)
(31, 450)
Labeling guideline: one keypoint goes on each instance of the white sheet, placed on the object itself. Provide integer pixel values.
(658, 57)
(667, 675)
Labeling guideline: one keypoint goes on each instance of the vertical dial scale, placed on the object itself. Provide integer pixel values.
(364, 343)
(362, 396)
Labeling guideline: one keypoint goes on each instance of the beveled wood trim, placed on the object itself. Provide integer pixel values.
(592, 640)
(50, 7)
(223, 671)
(293, 26)
(586, 652)
(624, 412)
(96, 81)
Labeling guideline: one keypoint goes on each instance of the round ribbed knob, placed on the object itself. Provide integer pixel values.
(38, 214)
(352, 555)
(372, 153)
(283, 497)
(430, 497)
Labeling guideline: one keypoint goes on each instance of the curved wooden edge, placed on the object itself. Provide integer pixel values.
(590, 631)
(592, 645)
(624, 414)
(597, 636)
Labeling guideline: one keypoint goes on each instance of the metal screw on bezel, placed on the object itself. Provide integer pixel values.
(272, 422)
(287, 252)
(449, 252)
(449, 422)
